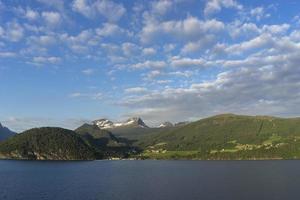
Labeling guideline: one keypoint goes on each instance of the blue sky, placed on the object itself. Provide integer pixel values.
(63, 63)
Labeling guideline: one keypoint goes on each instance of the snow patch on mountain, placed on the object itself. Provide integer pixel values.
(131, 122)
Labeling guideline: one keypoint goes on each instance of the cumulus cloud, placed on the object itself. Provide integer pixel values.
(149, 64)
(258, 13)
(190, 28)
(109, 29)
(214, 6)
(46, 60)
(202, 43)
(13, 32)
(161, 7)
(188, 62)
(31, 14)
(149, 51)
(110, 10)
(52, 18)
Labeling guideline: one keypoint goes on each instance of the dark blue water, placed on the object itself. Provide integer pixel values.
(149, 180)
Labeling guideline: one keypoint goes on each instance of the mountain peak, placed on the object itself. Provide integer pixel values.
(5, 132)
(103, 123)
(131, 122)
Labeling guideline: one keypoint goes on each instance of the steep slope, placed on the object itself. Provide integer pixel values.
(5, 133)
(104, 140)
(47, 144)
(232, 136)
(101, 137)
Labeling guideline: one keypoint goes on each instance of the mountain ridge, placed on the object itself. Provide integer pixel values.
(5, 133)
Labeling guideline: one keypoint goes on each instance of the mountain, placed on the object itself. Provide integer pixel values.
(47, 144)
(228, 136)
(104, 140)
(134, 122)
(102, 137)
(5, 133)
(103, 123)
(165, 124)
(131, 129)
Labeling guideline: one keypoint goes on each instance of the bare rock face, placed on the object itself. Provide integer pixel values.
(104, 123)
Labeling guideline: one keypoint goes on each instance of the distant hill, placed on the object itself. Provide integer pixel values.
(5, 133)
(47, 144)
(230, 136)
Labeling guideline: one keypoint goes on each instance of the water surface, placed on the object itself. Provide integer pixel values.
(149, 180)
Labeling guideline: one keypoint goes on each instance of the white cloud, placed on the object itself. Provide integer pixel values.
(204, 42)
(7, 54)
(82, 7)
(135, 90)
(110, 29)
(238, 29)
(258, 42)
(258, 13)
(149, 51)
(130, 49)
(189, 29)
(214, 6)
(93, 96)
(52, 18)
(188, 62)
(46, 60)
(152, 74)
(276, 29)
(88, 71)
(110, 10)
(149, 64)
(14, 32)
(43, 40)
(161, 7)
(31, 14)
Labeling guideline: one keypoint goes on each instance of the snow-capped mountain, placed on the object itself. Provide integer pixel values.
(165, 124)
(104, 123)
(131, 122)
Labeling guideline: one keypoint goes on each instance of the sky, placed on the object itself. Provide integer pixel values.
(63, 63)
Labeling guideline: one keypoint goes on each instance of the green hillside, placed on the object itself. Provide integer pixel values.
(47, 144)
(228, 136)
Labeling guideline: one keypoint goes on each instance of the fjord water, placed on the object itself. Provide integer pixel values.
(149, 180)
